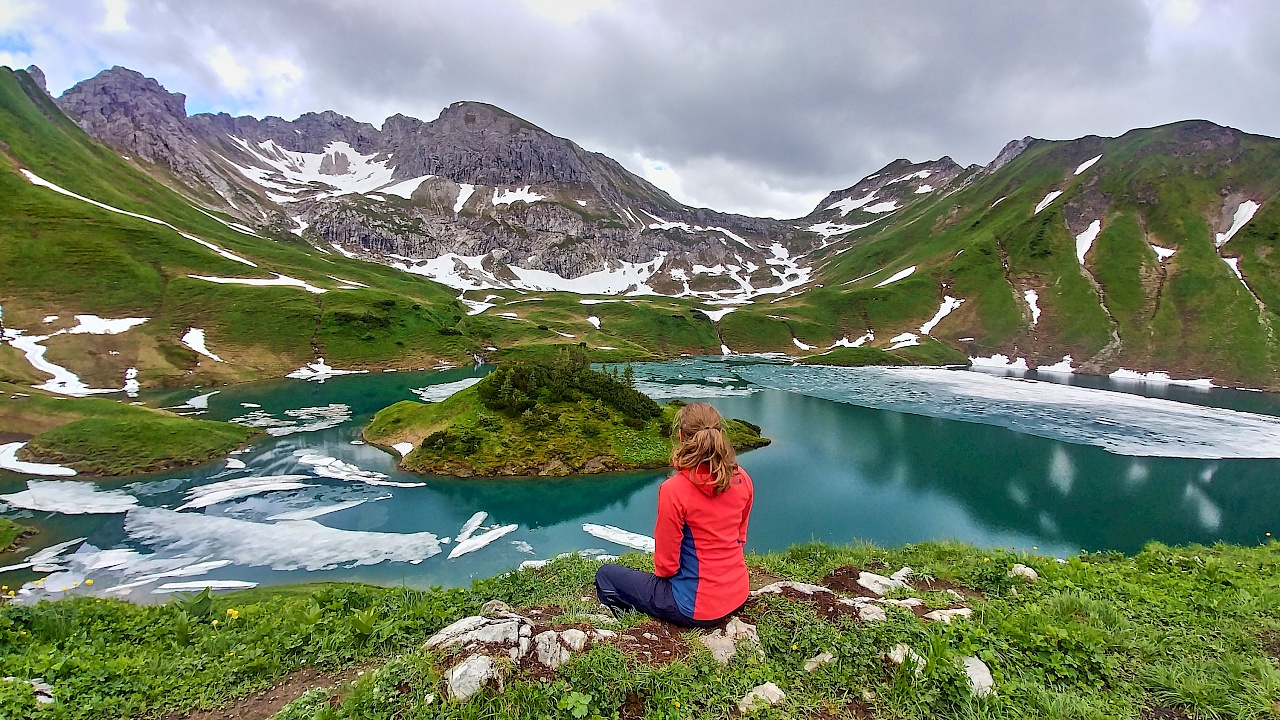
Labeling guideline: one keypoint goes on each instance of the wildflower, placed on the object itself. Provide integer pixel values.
(676, 703)
(10, 593)
(794, 647)
(4, 587)
(215, 623)
(88, 581)
(233, 613)
(986, 559)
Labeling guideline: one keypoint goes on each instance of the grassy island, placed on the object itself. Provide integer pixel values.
(540, 418)
(97, 436)
(11, 533)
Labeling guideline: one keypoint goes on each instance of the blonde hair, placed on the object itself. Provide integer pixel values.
(700, 438)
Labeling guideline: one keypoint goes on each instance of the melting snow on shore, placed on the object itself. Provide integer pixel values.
(65, 382)
(194, 339)
(9, 461)
(1033, 302)
(444, 391)
(1122, 423)
(948, 305)
(635, 541)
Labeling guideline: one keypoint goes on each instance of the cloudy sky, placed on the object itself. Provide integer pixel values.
(753, 106)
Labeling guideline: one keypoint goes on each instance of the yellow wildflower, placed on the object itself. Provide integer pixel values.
(88, 581)
(233, 613)
(215, 623)
(676, 703)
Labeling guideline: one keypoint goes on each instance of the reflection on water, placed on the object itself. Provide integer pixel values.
(836, 471)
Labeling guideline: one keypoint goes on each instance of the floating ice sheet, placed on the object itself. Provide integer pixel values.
(220, 492)
(1119, 422)
(301, 420)
(288, 545)
(317, 511)
(70, 497)
(476, 542)
(470, 526)
(202, 584)
(443, 391)
(635, 541)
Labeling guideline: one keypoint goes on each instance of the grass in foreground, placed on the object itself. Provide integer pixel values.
(1188, 632)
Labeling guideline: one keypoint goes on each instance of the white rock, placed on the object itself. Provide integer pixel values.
(818, 661)
(723, 644)
(550, 652)
(493, 607)
(946, 616)
(1022, 571)
(574, 638)
(469, 676)
(981, 684)
(778, 587)
(504, 629)
(879, 584)
(604, 634)
(871, 613)
(907, 603)
(903, 575)
(901, 654)
(761, 696)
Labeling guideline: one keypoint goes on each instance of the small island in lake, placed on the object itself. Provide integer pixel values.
(540, 418)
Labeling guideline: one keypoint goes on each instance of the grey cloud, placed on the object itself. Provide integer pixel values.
(761, 106)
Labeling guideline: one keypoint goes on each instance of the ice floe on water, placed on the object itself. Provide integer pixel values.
(287, 545)
(46, 559)
(626, 538)
(220, 492)
(1122, 423)
(194, 339)
(470, 526)
(443, 391)
(70, 497)
(326, 466)
(9, 461)
(309, 419)
(475, 542)
(197, 585)
(316, 511)
(199, 402)
(319, 371)
(676, 390)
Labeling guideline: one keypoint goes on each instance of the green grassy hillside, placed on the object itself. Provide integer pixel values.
(1167, 633)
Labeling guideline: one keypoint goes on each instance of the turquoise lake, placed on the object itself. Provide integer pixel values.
(884, 456)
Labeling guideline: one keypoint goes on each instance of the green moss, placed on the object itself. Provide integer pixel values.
(855, 357)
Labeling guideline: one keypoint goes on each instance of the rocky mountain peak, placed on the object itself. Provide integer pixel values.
(130, 111)
(38, 75)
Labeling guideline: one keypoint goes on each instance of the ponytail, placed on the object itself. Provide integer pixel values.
(699, 437)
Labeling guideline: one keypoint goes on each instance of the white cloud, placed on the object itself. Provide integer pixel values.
(115, 18)
(567, 11)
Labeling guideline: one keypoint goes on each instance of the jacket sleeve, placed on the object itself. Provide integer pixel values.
(667, 534)
(746, 510)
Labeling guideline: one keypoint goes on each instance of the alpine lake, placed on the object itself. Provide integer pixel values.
(872, 454)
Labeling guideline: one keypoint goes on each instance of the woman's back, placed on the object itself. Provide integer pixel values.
(699, 541)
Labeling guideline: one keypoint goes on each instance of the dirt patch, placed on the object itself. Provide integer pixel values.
(760, 577)
(1271, 643)
(269, 702)
(1160, 712)
(11, 437)
(856, 709)
(844, 579)
(827, 605)
(652, 643)
(543, 613)
(632, 708)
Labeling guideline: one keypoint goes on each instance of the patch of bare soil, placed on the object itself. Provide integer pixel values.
(1271, 643)
(826, 604)
(844, 579)
(937, 584)
(652, 642)
(632, 708)
(11, 437)
(856, 709)
(269, 702)
(761, 577)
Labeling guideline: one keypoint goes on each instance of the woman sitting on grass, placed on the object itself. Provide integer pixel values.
(700, 575)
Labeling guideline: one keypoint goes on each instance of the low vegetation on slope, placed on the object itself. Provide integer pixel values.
(108, 437)
(10, 533)
(1187, 632)
(540, 418)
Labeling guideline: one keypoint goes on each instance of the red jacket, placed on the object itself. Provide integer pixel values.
(698, 542)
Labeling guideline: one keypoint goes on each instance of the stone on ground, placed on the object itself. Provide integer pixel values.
(871, 613)
(494, 607)
(981, 684)
(1022, 571)
(901, 654)
(550, 652)
(778, 587)
(818, 661)
(879, 584)
(469, 676)
(760, 697)
(504, 629)
(946, 616)
(723, 644)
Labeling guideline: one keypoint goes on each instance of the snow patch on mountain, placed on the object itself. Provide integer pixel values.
(1086, 165)
(1084, 240)
(1244, 213)
(949, 304)
(194, 339)
(524, 194)
(900, 275)
(1047, 200)
(1033, 302)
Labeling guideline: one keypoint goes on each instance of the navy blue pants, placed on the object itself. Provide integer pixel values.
(621, 588)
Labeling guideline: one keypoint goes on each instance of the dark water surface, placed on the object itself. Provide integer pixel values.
(836, 472)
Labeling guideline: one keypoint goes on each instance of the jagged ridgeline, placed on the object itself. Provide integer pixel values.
(554, 418)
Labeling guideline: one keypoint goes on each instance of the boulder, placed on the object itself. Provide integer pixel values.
(1022, 571)
(760, 697)
(494, 607)
(503, 629)
(871, 613)
(902, 654)
(946, 616)
(574, 638)
(469, 676)
(981, 684)
(907, 603)
(818, 661)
